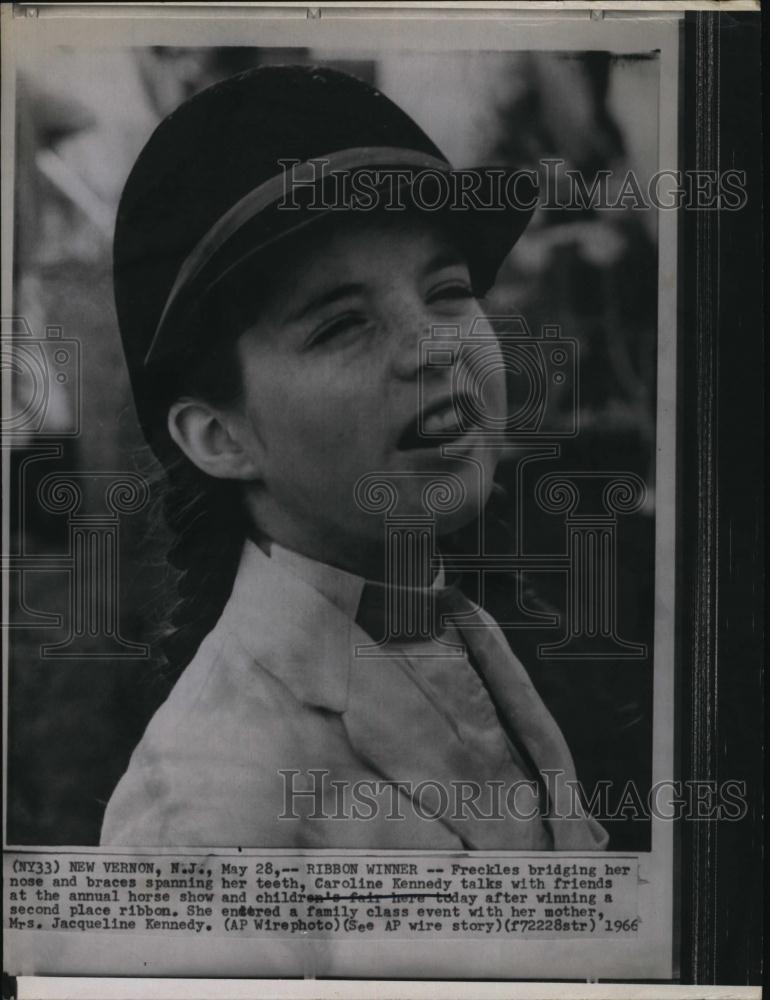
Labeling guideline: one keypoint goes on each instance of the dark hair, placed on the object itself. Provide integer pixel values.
(205, 516)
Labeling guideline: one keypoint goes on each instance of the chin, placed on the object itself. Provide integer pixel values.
(476, 490)
(449, 488)
(447, 524)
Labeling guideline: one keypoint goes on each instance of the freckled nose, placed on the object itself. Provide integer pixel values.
(410, 331)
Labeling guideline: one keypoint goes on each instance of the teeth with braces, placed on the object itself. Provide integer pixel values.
(441, 422)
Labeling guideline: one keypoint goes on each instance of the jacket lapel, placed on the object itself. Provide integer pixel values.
(291, 630)
(396, 728)
(309, 644)
(527, 717)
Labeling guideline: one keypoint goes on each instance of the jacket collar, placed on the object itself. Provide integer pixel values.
(291, 629)
(296, 617)
(309, 644)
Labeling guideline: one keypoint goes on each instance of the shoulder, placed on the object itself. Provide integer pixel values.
(209, 769)
(173, 801)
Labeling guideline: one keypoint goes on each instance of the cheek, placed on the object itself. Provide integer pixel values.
(314, 425)
(282, 406)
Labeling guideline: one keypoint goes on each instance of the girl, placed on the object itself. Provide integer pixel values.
(275, 330)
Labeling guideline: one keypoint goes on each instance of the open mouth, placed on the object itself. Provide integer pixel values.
(437, 424)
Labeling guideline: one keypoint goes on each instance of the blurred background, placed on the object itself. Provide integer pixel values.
(82, 118)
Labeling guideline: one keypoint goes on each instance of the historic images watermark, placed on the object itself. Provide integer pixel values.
(43, 385)
(44, 376)
(321, 797)
(541, 372)
(328, 184)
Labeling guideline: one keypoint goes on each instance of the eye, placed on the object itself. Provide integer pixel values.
(332, 329)
(451, 291)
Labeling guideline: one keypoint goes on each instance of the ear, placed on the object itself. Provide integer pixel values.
(209, 438)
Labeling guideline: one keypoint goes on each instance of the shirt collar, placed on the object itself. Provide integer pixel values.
(345, 590)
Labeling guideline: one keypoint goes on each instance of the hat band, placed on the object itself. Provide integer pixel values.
(267, 194)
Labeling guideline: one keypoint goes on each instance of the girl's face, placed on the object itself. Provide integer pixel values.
(337, 379)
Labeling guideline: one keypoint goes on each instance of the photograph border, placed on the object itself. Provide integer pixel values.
(721, 504)
(719, 520)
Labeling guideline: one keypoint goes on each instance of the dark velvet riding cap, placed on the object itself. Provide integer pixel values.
(256, 157)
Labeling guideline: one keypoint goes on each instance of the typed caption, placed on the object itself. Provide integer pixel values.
(246, 896)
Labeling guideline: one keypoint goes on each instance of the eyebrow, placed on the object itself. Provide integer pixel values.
(328, 298)
(446, 257)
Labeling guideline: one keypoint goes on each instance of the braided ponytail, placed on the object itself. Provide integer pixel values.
(208, 526)
(205, 517)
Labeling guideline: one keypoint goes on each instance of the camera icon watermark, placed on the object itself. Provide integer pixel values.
(41, 382)
(540, 375)
(499, 384)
